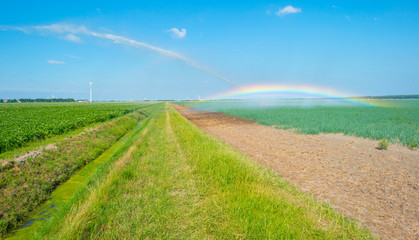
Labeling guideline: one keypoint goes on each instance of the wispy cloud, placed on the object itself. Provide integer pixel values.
(72, 38)
(12, 28)
(62, 28)
(116, 39)
(176, 33)
(287, 10)
(55, 62)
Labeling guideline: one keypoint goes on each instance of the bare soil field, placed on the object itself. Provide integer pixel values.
(378, 188)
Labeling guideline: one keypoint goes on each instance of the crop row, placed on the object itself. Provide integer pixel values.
(396, 124)
(26, 122)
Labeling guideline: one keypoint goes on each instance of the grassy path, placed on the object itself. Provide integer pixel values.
(176, 182)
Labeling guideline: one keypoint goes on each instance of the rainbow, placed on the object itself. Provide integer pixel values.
(292, 91)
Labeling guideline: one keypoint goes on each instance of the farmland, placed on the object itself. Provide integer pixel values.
(152, 173)
(209, 120)
(350, 172)
(175, 181)
(23, 123)
(26, 184)
(398, 124)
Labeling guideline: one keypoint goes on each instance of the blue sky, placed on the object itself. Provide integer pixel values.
(138, 50)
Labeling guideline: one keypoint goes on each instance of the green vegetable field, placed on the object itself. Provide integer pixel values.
(26, 122)
(398, 124)
(25, 185)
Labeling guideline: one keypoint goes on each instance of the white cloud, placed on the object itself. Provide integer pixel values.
(176, 33)
(55, 62)
(62, 28)
(75, 57)
(11, 28)
(287, 10)
(72, 38)
(81, 30)
(126, 41)
(71, 30)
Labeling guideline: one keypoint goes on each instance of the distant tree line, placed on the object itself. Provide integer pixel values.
(391, 97)
(37, 100)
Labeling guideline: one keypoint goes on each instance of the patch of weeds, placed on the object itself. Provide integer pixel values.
(128, 174)
(413, 145)
(383, 144)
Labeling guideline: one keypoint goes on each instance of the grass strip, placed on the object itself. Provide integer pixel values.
(180, 183)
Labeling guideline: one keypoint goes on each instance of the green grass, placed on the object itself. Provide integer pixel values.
(79, 184)
(23, 187)
(33, 146)
(177, 182)
(22, 123)
(398, 124)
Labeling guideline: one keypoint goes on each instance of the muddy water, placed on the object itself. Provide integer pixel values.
(65, 192)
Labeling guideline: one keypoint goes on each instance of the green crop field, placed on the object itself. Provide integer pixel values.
(25, 122)
(398, 124)
(25, 185)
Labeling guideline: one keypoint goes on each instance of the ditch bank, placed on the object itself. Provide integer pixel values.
(64, 193)
(26, 185)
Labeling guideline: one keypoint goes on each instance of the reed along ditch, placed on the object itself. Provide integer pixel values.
(42, 186)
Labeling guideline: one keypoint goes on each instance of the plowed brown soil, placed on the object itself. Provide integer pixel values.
(380, 189)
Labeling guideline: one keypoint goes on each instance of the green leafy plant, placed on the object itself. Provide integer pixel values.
(383, 144)
(21, 123)
(413, 145)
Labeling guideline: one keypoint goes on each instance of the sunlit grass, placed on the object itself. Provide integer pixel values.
(177, 182)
